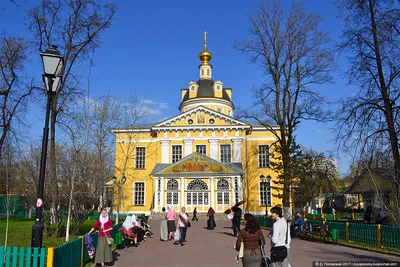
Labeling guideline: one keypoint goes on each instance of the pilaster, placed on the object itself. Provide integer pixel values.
(165, 151)
(213, 148)
(188, 146)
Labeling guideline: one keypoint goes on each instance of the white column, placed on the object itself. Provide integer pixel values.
(213, 148)
(162, 192)
(156, 194)
(212, 193)
(182, 192)
(188, 146)
(165, 151)
(240, 189)
(233, 195)
(237, 150)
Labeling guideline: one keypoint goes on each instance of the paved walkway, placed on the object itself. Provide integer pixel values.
(215, 249)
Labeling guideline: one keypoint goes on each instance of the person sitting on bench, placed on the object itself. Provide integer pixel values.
(297, 225)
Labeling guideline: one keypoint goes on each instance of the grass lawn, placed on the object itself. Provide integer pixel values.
(20, 233)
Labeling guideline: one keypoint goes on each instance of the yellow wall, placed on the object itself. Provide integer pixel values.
(125, 161)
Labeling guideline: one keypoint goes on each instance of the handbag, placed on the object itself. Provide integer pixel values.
(264, 260)
(110, 240)
(279, 253)
(189, 224)
(241, 251)
(177, 235)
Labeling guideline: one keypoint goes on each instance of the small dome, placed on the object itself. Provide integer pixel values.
(205, 88)
(205, 56)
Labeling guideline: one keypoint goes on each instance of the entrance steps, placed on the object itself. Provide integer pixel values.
(200, 215)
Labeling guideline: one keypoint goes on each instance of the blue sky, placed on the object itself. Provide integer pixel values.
(153, 46)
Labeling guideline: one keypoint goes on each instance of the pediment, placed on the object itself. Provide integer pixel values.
(197, 163)
(198, 117)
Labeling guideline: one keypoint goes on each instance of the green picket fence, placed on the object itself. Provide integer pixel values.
(390, 236)
(341, 227)
(15, 256)
(368, 234)
(363, 233)
(74, 252)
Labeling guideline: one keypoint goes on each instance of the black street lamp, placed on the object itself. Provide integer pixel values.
(119, 185)
(266, 182)
(53, 65)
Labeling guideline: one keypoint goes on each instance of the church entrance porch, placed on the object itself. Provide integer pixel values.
(197, 181)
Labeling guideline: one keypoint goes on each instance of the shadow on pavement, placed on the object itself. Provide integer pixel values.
(226, 233)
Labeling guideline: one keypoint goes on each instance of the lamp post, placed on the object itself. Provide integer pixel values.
(53, 65)
(119, 185)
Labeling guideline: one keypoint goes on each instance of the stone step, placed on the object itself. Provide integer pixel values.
(200, 216)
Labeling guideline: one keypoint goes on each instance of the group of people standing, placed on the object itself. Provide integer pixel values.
(252, 239)
(171, 223)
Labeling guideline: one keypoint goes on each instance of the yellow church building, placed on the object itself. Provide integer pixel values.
(202, 157)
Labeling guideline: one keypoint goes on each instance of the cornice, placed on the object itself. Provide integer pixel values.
(206, 100)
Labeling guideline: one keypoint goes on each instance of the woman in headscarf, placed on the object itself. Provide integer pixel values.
(127, 229)
(171, 216)
(139, 231)
(103, 250)
(164, 226)
(210, 222)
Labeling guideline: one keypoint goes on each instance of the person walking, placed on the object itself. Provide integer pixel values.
(103, 250)
(251, 236)
(237, 215)
(280, 239)
(171, 216)
(211, 222)
(183, 225)
(195, 214)
(164, 226)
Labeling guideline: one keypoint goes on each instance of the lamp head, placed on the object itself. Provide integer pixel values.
(123, 180)
(114, 179)
(269, 178)
(262, 178)
(53, 62)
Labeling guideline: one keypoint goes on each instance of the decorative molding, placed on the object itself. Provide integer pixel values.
(190, 112)
(211, 101)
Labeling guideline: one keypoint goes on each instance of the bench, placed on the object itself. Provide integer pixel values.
(313, 231)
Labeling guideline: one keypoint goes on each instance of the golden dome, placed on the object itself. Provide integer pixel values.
(205, 56)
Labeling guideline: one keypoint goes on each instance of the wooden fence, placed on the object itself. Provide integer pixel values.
(21, 256)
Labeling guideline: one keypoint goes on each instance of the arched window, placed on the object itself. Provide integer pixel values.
(223, 192)
(172, 192)
(172, 185)
(197, 193)
(222, 184)
(197, 185)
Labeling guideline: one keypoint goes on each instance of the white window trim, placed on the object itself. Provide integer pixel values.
(220, 150)
(133, 195)
(172, 153)
(201, 145)
(258, 155)
(259, 196)
(145, 158)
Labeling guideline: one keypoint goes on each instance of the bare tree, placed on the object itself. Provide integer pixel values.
(14, 92)
(371, 116)
(292, 53)
(133, 118)
(75, 26)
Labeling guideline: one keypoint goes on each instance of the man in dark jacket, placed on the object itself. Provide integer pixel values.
(236, 220)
